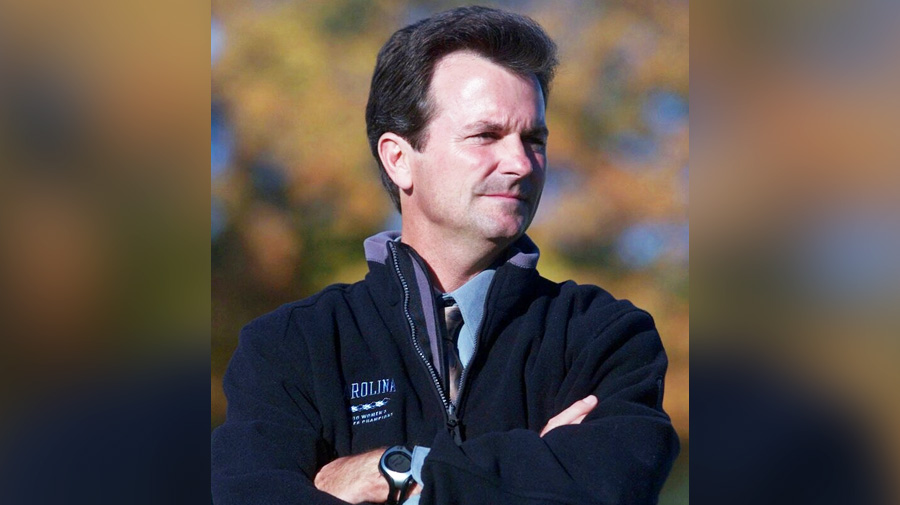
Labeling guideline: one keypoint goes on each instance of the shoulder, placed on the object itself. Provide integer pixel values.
(593, 311)
(280, 342)
(589, 300)
(605, 330)
(285, 323)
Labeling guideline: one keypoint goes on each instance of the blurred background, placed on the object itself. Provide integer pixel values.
(795, 245)
(295, 189)
(104, 266)
(105, 210)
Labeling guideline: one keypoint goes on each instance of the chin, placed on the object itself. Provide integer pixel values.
(507, 233)
(503, 228)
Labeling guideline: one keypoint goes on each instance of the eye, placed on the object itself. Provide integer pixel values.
(537, 142)
(487, 135)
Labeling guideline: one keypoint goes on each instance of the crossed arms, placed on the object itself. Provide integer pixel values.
(356, 479)
(621, 450)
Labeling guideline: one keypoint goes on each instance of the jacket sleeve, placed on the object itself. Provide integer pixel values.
(268, 449)
(621, 453)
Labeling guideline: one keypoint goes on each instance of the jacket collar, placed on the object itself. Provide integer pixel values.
(396, 272)
(523, 253)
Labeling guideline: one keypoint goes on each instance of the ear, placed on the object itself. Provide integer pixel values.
(396, 154)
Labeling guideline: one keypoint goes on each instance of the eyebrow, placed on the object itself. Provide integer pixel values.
(493, 126)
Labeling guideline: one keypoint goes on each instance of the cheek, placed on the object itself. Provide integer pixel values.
(476, 161)
(538, 161)
(465, 166)
(540, 169)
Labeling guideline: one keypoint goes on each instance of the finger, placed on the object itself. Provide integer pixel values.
(578, 409)
(551, 424)
(572, 415)
(563, 418)
(559, 420)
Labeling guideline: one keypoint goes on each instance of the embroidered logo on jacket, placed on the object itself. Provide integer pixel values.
(375, 409)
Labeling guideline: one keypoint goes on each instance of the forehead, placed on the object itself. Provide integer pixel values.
(467, 87)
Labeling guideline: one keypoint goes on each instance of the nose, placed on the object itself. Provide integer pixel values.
(519, 159)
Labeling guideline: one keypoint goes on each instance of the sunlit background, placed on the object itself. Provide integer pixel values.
(295, 189)
(104, 215)
(796, 251)
(104, 266)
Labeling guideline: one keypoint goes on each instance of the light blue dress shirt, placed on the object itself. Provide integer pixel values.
(470, 298)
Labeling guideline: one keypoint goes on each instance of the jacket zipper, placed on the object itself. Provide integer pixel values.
(449, 409)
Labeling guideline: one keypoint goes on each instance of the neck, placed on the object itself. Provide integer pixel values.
(453, 261)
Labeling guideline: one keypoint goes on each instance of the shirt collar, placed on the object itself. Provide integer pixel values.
(471, 295)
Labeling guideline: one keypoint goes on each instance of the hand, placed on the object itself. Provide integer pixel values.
(572, 415)
(414, 489)
(354, 479)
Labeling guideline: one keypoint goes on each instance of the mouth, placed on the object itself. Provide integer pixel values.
(508, 196)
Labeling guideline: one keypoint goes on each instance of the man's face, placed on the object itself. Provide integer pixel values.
(481, 172)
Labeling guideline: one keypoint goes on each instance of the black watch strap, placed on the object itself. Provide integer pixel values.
(396, 466)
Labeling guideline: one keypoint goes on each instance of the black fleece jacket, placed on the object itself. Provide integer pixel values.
(351, 369)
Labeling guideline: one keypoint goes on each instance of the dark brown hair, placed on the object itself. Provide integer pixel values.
(398, 97)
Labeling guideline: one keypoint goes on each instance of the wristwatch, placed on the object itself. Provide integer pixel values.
(396, 466)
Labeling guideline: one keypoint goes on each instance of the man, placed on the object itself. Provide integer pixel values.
(453, 373)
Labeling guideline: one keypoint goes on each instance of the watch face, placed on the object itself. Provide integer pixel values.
(397, 462)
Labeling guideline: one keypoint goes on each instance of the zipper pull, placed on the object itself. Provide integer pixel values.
(453, 426)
